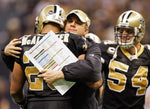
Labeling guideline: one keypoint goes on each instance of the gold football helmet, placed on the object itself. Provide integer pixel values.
(94, 37)
(134, 23)
(50, 13)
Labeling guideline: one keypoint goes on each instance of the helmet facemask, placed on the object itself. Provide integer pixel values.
(134, 25)
(124, 39)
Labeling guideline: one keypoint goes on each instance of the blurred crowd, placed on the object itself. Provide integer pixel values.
(17, 18)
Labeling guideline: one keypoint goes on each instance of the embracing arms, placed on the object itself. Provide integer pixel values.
(10, 52)
(17, 84)
(86, 70)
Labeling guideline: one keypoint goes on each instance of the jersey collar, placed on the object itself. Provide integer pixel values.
(132, 57)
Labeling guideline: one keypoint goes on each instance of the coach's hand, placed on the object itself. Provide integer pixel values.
(51, 76)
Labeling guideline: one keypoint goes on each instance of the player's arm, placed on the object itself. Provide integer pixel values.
(95, 85)
(10, 52)
(17, 83)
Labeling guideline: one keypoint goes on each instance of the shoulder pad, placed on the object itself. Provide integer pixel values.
(109, 42)
(147, 46)
(108, 47)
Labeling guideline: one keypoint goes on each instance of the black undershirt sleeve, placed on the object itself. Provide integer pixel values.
(8, 60)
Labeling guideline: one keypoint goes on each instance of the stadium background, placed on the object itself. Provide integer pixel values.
(17, 18)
